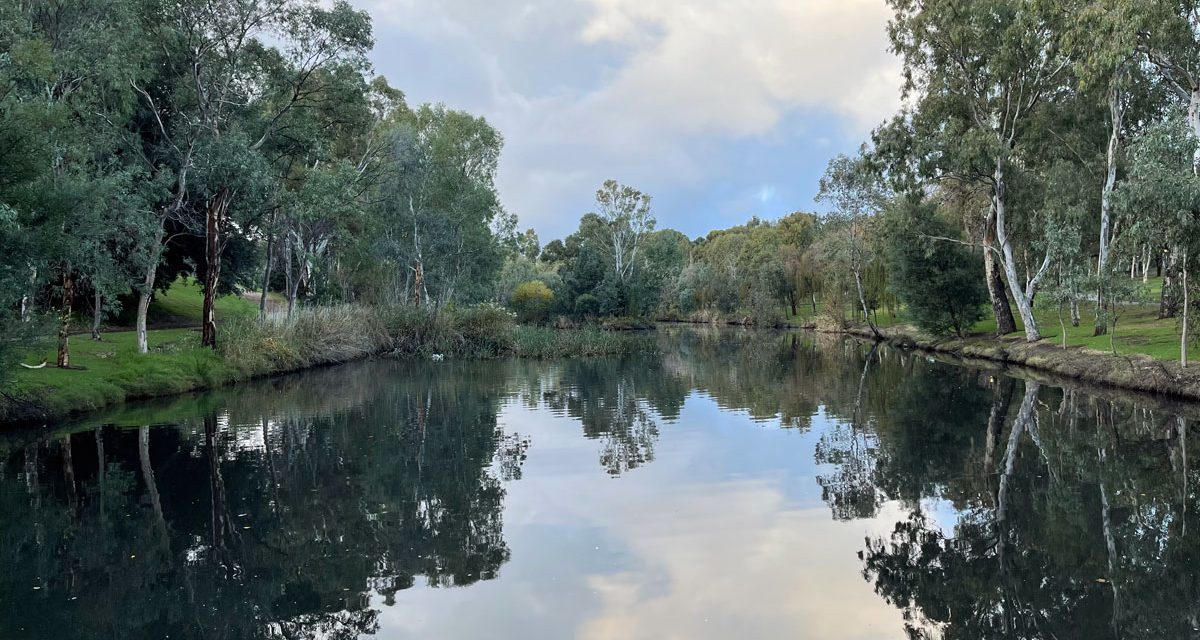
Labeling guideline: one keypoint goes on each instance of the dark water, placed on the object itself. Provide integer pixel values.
(741, 485)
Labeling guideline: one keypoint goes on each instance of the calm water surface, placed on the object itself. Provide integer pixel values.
(739, 485)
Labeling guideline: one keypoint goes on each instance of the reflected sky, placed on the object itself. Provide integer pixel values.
(725, 534)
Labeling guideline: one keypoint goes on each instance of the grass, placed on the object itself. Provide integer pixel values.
(1139, 329)
(182, 305)
(184, 301)
(112, 371)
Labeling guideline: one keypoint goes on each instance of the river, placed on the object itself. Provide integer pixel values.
(739, 484)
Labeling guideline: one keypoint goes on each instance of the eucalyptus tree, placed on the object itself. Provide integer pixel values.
(68, 189)
(628, 220)
(224, 78)
(439, 204)
(329, 161)
(978, 73)
(1161, 198)
(855, 189)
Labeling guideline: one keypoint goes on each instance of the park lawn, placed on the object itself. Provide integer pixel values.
(112, 370)
(184, 303)
(1139, 329)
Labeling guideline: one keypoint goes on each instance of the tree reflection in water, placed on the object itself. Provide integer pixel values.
(305, 511)
(295, 508)
(1043, 514)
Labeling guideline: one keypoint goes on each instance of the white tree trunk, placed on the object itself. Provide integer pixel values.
(1116, 115)
(27, 300)
(1023, 298)
(1183, 338)
(146, 290)
(1194, 121)
(862, 300)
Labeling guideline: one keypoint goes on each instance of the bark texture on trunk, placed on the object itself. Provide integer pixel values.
(1023, 298)
(1116, 109)
(862, 300)
(213, 221)
(1183, 337)
(64, 325)
(146, 289)
(262, 297)
(418, 282)
(97, 311)
(1005, 322)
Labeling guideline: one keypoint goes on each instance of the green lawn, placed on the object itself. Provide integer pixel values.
(111, 370)
(1139, 330)
(184, 302)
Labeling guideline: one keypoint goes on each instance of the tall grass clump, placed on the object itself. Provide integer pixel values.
(310, 337)
(542, 342)
(330, 335)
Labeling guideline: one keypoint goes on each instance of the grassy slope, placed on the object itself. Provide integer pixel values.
(112, 370)
(1139, 330)
(184, 301)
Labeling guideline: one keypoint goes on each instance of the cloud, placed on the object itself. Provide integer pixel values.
(651, 92)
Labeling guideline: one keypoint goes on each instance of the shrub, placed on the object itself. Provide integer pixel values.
(532, 300)
(938, 280)
(587, 305)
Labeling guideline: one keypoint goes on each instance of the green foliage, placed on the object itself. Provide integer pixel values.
(939, 280)
(532, 301)
(587, 305)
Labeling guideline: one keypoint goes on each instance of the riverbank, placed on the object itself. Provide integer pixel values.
(1134, 372)
(111, 371)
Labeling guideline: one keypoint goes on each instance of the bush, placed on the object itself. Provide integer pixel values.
(587, 305)
(940, 282)
(532, 300)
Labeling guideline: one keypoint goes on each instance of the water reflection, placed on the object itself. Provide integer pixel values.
(257, 519)
(360, 500)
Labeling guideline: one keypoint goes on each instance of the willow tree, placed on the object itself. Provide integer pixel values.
(978, 74)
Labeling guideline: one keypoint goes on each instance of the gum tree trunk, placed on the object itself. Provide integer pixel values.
(1024, 299)
(213, 220)
(1183, 337)
(64, 326)
(1116, 110)
(262, 298)
(418, 282)
(146, 289)
(1005, 323)
(97, 310)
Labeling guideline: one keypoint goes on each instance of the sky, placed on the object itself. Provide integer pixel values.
(719, 109)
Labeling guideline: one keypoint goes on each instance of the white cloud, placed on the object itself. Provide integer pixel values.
(737, 65)
(639, 90)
